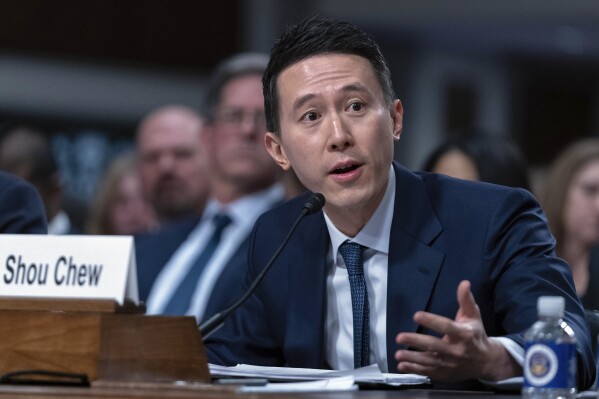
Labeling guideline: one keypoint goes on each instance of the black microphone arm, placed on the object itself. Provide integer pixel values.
(312, 205)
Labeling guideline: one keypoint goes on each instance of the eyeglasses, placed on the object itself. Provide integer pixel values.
(238, 116)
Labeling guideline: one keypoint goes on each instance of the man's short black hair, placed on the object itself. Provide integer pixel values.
(315, 36)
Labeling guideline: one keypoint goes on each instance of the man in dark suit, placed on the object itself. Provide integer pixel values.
(373, 278)
(21, 209)
(172, 162)
(25, 151)
(196, 267)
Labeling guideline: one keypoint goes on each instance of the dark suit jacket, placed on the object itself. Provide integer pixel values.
(153, 250)
(444, 230)
(21, 209)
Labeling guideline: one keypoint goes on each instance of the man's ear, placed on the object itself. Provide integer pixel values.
(397, 118)
(276, 150)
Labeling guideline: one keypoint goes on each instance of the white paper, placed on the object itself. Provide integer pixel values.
(337, 384)
(368, 374)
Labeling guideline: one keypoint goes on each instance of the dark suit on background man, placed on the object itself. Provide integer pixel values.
(21, 209)
(153, 250)
(283, 323)
(205, 272)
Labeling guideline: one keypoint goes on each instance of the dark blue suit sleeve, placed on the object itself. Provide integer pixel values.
(522, 247)
(21, 209)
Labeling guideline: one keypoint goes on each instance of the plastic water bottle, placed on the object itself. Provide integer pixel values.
(550, 360)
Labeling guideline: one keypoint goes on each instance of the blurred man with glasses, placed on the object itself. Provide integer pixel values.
(206, 271)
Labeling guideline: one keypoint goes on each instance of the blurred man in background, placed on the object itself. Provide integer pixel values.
(25, 151)
(172, 164)
(21, 209)
(206, 271)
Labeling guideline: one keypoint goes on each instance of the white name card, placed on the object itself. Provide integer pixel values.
(69, 266)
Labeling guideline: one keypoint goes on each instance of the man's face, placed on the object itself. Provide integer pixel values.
(337, 132)
(172, 164)
(235, 139)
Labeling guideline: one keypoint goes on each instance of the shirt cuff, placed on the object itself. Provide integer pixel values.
(512, 347)
(517, 353)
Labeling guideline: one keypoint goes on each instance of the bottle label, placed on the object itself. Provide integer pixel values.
(550, 365)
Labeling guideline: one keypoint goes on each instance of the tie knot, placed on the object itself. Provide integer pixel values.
(352, 255)
(220, 221)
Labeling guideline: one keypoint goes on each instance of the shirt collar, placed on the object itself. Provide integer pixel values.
(246, 210)
(60, 224)
(375, 234)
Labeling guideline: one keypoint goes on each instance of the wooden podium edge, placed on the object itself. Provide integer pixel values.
(70, 305)
(103, 343)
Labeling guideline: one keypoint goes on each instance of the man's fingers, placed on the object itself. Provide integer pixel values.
(468, 307)
(420, 341)
(440, 324)
(428, 359)
(431, 364)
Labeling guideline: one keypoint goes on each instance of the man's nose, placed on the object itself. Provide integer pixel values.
(340, 136)
(166, 162)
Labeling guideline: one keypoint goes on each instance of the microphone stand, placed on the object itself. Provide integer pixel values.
(313, 204)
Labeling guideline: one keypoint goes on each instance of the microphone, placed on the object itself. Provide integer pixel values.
(313, 204)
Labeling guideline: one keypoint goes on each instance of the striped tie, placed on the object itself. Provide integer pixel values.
(352, 255)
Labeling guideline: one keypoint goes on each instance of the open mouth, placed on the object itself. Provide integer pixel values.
(345, 169)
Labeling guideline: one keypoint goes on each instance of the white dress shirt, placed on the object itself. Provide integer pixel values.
(375, 235)
(243, 214)
(339, 335)
(60, 224)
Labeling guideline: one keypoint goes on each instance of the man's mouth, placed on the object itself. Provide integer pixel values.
(345, 169)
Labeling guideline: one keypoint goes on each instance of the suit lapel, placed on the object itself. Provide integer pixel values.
(413, 264)
(307, 298)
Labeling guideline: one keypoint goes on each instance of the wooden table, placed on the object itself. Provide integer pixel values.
(101, 390)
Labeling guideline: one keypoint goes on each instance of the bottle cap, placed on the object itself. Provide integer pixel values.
(551, 306)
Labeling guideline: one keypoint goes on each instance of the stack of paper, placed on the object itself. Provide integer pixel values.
(323, 385)
(368, 375)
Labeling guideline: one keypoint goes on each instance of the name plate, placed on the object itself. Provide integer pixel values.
(68, 266)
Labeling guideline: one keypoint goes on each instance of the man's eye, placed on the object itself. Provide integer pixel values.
(590, 190)
(311, 116)
(356, 106)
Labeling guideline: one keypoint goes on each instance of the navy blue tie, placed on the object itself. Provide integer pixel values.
(352, 255)
(181, 298)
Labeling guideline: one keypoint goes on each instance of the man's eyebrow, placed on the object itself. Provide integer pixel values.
(300, 101)
(357, 86)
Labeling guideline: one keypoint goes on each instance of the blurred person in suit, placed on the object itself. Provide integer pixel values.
(21, 208)
(415, 272)
(480, 157)
(571, 202)
(198, 269)
(26, 152)
(172, 163)
(119, 206)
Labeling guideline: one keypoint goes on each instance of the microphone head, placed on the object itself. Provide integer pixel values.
(314, 203)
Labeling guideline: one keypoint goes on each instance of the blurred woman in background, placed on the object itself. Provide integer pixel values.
(479, 157)
(119, 207)
(571, 202)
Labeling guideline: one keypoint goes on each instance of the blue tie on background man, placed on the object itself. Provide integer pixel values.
(352, 255)
(179, 302)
